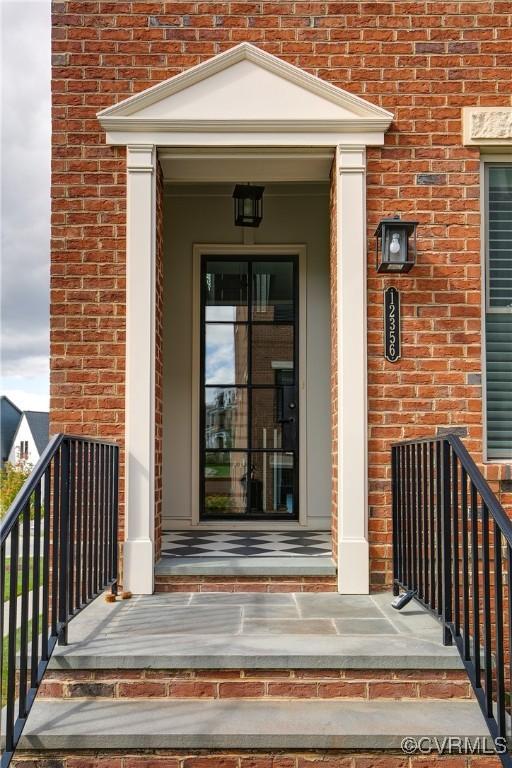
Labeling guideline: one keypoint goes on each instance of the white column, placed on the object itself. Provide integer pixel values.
(353, 550)
(138, 566)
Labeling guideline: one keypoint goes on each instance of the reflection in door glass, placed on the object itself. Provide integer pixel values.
(225, 482)
(225, 417)
(225, 354)
(272, 351)
(272, 291)
(267, 418)
(272, 483)
(226, 291)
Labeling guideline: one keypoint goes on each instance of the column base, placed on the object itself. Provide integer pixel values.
(353, 567)
(138, 567)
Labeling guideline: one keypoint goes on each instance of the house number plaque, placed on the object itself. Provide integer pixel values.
(392, 324)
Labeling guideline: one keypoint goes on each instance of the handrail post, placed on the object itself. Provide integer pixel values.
(395, 532)
(63, 578)
(446, 535)
(115, 525)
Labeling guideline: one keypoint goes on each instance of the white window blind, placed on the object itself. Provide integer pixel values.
(498, 318)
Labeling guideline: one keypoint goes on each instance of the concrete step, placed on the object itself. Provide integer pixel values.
(211, 565)
(307, 651)
(235, 724)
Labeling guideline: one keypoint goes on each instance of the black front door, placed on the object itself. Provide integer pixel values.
(249, 461)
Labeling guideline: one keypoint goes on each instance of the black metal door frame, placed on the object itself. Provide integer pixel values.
(248, 515)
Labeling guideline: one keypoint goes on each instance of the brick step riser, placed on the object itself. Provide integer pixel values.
(242, 584)
(263, 759)
(257, 684)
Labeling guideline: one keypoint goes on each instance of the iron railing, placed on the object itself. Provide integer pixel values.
(452, 543)
(58, 551)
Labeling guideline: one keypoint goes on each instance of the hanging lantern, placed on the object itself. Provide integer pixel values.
(248, 205)
(396, 245)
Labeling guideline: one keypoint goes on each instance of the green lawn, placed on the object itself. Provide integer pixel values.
(4, 660)
(18, 586)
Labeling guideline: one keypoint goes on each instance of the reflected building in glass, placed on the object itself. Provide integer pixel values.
(250, 414)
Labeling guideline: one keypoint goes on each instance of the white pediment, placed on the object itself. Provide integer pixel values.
(245, 89)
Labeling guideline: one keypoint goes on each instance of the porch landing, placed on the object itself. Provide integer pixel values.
(246, 553)
(254, 630)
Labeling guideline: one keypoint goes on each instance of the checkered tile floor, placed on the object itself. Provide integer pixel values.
(247, 544)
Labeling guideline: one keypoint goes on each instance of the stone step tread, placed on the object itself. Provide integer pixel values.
(195, 651)
(205, 565)
(235, 724)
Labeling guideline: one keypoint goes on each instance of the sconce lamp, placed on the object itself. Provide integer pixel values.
(396, 245)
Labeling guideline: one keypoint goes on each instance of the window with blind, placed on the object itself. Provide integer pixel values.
(498, 312)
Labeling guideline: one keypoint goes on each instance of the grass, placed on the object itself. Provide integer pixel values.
(214, 471)
(4, 659)
(7, 581)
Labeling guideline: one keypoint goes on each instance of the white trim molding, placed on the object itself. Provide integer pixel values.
(352, 437)
(138, 565)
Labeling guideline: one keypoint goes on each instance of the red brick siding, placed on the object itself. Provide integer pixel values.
(245, 584)
(231, 759)
(257, 683)
(422, 60)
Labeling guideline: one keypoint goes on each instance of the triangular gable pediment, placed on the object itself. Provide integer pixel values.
(244, 88)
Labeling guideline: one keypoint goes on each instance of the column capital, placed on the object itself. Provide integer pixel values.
(351, 158)
(140, 158)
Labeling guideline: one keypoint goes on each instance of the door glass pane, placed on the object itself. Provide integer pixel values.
(225, 354)
(272, 351)
(267, 418)
(272, 290)
(226, 290)
(225, 483)
(225, 419)
(249, 398)
(272, 483)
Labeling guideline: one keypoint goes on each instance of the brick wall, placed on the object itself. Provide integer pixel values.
(366, 685)
(236, 759)
(422, 60)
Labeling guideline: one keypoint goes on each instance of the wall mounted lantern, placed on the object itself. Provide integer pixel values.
(396, 245)
(248, 205)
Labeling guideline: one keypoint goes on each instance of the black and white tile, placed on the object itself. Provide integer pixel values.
(246, 544)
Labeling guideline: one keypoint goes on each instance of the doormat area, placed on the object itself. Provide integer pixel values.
(247, 544)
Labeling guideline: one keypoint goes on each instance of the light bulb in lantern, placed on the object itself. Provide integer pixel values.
(394, 246)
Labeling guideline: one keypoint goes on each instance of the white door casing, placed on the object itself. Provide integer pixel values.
(246, 98)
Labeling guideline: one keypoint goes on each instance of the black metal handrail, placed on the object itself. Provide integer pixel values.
(452, 543)
(58, 551)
